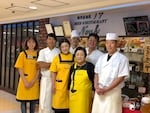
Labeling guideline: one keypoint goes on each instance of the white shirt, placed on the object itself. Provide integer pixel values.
(93, 57)
(47, 55)
(116, 66)
(72, 50)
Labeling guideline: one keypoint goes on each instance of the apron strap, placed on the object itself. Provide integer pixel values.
(30, 56)
(73, 75)
(72, 60)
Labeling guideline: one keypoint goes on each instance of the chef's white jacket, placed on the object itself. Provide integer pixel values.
(116, 66)
(93, 57)
(46, 55)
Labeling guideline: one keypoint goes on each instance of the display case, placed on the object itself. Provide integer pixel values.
(133, 49)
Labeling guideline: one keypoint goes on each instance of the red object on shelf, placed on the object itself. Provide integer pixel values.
(126, 110)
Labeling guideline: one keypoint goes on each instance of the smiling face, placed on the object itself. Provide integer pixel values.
(51, 42)
(80, 57)
(64, 47)
(74, 42)
(92, 42)
(111, 46)
(31, 44)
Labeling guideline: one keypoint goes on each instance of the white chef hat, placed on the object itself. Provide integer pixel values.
(75, 33)
(111, 36)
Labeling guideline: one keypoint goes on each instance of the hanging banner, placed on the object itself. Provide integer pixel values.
(146, 66)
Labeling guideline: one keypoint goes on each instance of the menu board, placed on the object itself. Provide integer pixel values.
(146, 66)
(136, 26)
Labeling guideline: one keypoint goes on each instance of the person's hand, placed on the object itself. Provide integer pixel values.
(93, 93)
(34, 80)
(32, 83)
(101, 91)
(53, 88)
(27, 84)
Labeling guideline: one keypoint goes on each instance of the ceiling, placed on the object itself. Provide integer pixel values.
(18, 10)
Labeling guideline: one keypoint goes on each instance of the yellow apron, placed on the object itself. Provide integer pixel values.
(29, 67)
(60, 100)
(81, 94)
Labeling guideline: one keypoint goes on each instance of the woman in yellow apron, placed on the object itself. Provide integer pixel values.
(81, 83)
(60, 67)
(28, 87)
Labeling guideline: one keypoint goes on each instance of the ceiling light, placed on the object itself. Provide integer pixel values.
(32, 7)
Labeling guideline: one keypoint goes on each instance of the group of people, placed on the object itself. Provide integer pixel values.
(71, 79)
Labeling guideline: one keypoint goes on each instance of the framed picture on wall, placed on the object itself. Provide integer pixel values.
(58, 31)
(137, 26)
(67, 28)
(49, 28)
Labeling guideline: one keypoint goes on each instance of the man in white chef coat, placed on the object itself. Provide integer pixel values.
(75, 38)
(92, 52)
(110, 72)
(44, 60)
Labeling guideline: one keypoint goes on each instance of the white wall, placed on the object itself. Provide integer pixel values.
(111, 21)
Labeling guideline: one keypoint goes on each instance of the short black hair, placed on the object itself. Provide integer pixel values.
(94, 35)
(52, 35)
(82, 49)
(64, 40)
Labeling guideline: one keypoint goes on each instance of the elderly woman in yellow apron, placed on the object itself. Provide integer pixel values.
(81, 83)
(60, 67)
(110, 71)
(28, 87)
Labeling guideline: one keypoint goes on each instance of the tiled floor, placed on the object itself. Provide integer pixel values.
(8, 103)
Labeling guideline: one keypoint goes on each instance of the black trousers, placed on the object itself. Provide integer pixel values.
(61, 110)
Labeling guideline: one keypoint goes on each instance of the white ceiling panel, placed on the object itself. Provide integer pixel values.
(17, 10)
